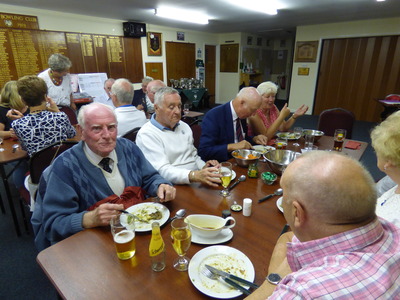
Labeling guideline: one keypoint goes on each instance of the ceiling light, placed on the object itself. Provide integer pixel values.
(267, 7)
(181, 15)
(380, 0)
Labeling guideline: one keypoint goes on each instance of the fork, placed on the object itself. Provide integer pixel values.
(206, 272)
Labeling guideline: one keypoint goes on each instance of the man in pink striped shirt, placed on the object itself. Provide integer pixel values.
(339, 249)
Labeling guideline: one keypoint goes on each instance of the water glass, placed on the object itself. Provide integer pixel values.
(186, 108)
(309, 142)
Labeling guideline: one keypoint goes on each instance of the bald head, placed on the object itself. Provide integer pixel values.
(246, 102)
(152, 87)
(333, 188)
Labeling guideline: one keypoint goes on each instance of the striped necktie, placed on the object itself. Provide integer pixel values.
(105, 164)
(239, 134)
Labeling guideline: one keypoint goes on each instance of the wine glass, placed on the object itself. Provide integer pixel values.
(181, 238)
(186, 108)
(226, 172)
(298, 131)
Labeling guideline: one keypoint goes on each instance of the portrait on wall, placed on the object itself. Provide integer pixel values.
(306, 51)
(180, 36)
(154, 44)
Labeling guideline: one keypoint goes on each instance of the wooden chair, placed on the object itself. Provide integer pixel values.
(336, 118)
(70, 113)
(131, 134)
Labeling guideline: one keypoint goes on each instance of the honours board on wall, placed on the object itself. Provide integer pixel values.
(26, 51)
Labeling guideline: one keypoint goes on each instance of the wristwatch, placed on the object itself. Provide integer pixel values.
(274, 278)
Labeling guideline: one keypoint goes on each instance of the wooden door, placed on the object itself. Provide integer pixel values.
(356, 72)
(181, 60)
(209, 65)
(155, 70)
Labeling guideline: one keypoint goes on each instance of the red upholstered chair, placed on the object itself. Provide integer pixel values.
(336, 118)
(70, 113)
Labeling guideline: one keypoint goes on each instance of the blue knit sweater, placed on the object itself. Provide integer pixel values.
(72, 184)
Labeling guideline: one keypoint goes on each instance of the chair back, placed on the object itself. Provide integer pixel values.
(43, 158)
(189, 120)
(196, 129)
(131, 134)
(336, 118)
(70, 113)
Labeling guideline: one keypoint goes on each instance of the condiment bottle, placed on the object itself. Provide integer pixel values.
(253, 171)
(247, 203)
(157, 248)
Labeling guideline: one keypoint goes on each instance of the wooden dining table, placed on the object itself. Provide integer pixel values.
(85, 265)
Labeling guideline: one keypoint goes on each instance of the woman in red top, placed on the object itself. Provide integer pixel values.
(268, 119)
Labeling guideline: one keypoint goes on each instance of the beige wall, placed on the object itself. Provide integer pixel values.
(303, 87)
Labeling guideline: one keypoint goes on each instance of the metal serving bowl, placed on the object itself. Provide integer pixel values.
(245, 162)
(278, 160)
(316, 133)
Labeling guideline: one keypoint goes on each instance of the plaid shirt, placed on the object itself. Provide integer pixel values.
(363, 263)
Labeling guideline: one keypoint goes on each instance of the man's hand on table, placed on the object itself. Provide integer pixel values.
(166, 192)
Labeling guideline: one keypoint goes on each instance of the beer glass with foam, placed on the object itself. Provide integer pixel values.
(123, 231)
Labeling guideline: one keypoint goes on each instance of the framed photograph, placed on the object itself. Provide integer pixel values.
(154, 44)
(249, 40)
(180, 36)
(306, 51)
(303, 71)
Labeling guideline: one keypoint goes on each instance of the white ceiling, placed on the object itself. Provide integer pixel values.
(225, 17)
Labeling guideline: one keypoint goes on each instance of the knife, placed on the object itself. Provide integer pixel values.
(230, 276)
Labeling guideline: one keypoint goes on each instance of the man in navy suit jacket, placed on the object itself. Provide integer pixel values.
(218, 138)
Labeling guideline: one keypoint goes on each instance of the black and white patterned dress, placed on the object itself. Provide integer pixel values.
(37, 131)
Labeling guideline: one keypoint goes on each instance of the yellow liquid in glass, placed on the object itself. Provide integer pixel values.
(181, 239)
(225, 180)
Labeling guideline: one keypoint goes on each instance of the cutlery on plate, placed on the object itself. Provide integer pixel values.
(278, 192)
(136, 217)
(228, 275)
(206, 272)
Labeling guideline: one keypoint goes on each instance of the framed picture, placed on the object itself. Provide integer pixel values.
(154, 44)
(303, 71)
(180, 36)
(249, 40)
(306, 51)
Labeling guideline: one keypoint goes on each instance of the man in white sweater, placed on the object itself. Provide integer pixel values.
(167, 144)
(128, 116)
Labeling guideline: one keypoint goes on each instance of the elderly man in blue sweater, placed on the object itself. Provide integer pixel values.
(99, 166)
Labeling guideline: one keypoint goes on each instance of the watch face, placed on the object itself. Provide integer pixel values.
(274, 278)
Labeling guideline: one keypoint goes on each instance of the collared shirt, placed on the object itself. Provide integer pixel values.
(235, 120)
(362, 263)
(159, 126)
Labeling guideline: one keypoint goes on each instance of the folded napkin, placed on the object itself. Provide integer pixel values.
(131, 195)
(353, 145)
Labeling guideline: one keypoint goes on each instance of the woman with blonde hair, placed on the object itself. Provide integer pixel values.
(10, 104)
(386, 143)
(268, 119)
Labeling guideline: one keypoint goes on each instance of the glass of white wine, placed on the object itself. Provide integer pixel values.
(181, 238)
(226, 172)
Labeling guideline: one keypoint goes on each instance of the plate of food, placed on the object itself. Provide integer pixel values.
(288, 135)
(147, 213)
(263, 149)
(279, 204)
(224, 258)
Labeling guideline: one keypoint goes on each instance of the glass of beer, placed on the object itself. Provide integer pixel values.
(123, 231)
(226, 172)
(281, 143)
(338, 137)
(181, 237)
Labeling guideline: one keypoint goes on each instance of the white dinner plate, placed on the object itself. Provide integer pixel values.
(288, 135)
(145, 208)
(279, 204)
(224, 236)
(233, 175)
(226, 259)
(263, 149)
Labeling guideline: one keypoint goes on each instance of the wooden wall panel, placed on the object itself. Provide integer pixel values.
(101, 53)
(356, 72)
(75, 53)
(181, 60)
(134, 67)
(229, 58)
(155, 70)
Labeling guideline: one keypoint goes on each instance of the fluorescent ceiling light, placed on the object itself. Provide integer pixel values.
(380, 0)
(181, 15)
(262, 6)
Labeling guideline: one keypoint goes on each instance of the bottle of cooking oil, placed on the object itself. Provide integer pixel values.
(157, 248)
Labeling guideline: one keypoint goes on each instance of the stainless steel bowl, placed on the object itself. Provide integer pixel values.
(278, 160)
(316, 133)
(245, 162)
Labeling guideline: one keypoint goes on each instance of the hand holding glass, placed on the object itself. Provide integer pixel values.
(181, 237)
(226, 173)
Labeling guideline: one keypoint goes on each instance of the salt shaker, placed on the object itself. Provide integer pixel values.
(247, 202)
